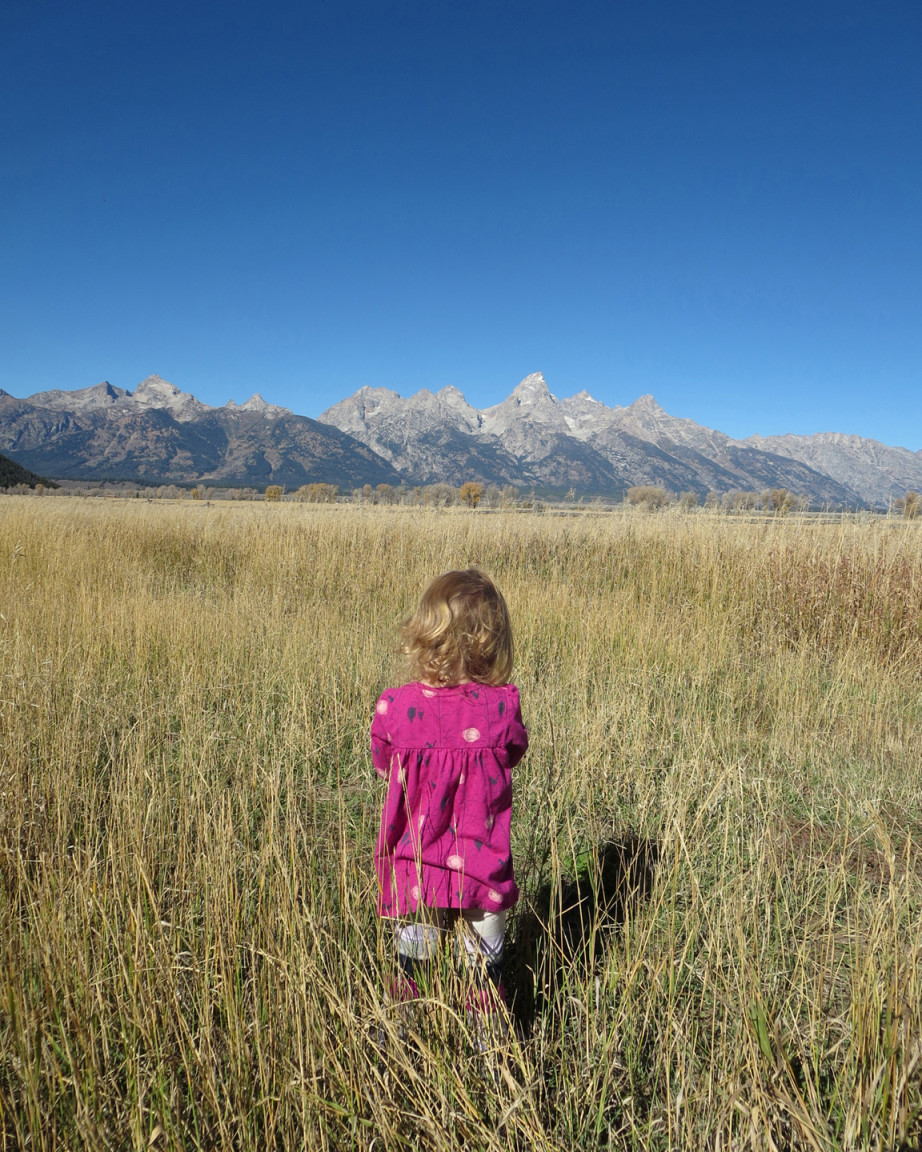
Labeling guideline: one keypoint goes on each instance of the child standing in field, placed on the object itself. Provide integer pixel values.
(447, 743)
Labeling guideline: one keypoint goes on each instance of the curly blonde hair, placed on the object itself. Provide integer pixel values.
(460, 631)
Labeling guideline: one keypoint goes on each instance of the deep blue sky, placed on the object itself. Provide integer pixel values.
(717, 203)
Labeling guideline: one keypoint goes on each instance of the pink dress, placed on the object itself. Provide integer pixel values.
(448, 755)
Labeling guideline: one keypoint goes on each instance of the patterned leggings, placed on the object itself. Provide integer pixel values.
(481, 933)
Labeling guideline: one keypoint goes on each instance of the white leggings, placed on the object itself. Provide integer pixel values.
(482, 933)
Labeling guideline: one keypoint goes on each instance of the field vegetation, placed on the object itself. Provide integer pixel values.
(718, 832)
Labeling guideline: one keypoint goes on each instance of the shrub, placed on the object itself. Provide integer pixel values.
(908, 505)
(648, 496)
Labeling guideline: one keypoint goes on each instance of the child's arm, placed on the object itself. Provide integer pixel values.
(517, 736)
(380, 740)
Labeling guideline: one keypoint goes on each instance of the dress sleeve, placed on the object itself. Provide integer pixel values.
(380, 740)
(517, 735)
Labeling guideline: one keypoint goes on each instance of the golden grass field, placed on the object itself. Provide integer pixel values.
(726, 731)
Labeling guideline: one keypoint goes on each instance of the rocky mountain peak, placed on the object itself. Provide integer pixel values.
(650, 421)
(81, 399)
(645, 403)
(155, 392)
(372, 399)
(156, 386)
(532, 390)
(531, 402)
(257, 404)
(452, 395)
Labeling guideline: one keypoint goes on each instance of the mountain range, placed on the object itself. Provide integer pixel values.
(534, 439)
(159, 434)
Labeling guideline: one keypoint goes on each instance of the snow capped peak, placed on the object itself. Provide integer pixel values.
(532, 389)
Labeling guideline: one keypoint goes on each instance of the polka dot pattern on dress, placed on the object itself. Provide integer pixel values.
(447, 754)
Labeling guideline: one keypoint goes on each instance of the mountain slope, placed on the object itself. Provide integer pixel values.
(12, 474)
(876, 470)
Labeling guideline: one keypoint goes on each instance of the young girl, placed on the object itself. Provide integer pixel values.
(447, 743)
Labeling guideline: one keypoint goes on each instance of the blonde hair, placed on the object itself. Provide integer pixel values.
(460, 631)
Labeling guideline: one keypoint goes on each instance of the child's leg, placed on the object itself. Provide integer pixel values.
(483, 935)
(417, 943)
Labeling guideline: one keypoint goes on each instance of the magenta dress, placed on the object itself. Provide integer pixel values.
(448, 755)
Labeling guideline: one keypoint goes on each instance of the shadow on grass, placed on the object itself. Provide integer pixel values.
(568, 925)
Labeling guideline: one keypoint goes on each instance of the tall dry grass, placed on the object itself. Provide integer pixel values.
(717, 832)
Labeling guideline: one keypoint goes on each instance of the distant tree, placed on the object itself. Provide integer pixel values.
(781, 501)
(385, 494)
(274, 493)
(688, 501)
(471, 493)
(908, 505)
(440, 495)
(739, 501)
(317, 493)
(647, 496)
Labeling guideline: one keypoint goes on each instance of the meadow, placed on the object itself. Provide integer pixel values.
(717, 831)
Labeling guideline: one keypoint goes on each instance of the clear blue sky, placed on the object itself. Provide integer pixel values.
(716, 203)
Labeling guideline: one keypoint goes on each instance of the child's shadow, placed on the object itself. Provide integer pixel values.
(568, 926)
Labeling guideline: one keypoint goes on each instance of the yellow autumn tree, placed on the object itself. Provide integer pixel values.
(471, 492)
